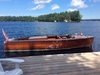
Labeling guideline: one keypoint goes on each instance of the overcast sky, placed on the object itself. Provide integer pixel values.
(90, 9)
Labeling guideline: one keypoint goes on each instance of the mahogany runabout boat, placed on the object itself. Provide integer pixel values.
(47, 43)
(43, 43)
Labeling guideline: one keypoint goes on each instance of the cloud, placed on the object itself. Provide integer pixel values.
(96, 0)
(41, 1)
(78, 3)
(71, 10)
(54, 7)
(40, 6)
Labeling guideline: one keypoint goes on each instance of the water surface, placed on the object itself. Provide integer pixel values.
(27, 29)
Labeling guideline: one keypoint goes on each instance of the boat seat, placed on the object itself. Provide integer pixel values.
(16, 71)
(37, 37)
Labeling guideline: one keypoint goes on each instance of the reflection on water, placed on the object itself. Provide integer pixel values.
(65, 51)
(50, 52)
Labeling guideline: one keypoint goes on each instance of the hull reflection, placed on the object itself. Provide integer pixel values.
(50, 52)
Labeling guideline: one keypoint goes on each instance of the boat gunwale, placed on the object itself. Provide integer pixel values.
(66, 39)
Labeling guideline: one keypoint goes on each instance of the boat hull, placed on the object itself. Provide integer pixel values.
(42, 45)
(47, 52)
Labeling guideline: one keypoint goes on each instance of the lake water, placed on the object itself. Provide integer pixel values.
(27, 29)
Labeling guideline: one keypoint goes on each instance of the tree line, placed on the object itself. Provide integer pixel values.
(59, 17)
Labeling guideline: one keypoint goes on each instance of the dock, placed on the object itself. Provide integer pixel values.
(60, 64)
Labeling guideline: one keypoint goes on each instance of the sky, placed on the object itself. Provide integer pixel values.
(89, 9)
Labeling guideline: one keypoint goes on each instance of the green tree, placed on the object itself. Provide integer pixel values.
(60, 17)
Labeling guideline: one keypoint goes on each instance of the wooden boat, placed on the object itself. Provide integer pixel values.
(47, 43)
(43, 43)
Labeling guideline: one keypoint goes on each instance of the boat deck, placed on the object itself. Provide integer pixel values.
(61, 64)
(55, 38)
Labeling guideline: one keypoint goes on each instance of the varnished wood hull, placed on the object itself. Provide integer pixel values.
(45, 44)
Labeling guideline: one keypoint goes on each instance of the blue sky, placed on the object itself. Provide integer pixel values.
(89, 9)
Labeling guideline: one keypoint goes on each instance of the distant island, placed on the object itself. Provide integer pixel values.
(74, 16)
